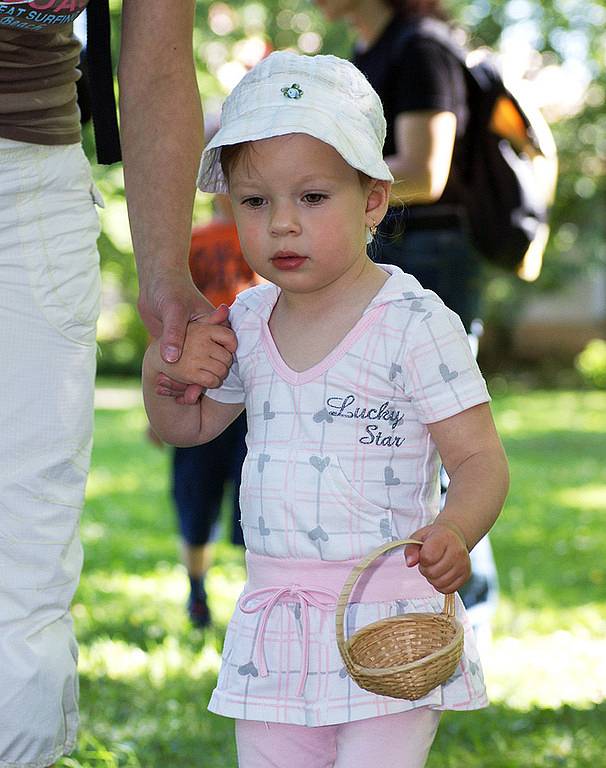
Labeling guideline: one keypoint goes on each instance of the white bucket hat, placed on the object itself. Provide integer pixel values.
(321, 96)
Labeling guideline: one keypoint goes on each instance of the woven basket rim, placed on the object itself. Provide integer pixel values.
(412, 665)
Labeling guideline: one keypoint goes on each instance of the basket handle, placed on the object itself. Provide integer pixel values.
(449, 601)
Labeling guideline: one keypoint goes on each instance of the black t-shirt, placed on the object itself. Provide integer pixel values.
(416, 74)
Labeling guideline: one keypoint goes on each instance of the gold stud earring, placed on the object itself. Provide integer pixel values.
(373, 228)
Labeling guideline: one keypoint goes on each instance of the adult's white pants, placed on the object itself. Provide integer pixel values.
(49, 303)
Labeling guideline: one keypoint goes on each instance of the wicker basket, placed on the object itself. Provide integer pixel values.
(403, 656)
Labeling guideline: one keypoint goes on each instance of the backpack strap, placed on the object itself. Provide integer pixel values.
(103, 101)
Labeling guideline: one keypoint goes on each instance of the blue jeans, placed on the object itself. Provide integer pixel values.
(200, 474)
(442, 261)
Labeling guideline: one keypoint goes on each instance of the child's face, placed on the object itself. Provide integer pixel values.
(302, 211)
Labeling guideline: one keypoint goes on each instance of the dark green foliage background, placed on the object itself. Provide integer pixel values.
(578, 241)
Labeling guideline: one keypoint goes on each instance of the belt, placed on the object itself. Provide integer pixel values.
(422, 217)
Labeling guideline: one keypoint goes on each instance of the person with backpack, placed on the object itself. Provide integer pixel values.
(424, 95)
(424, 91)
(49, 302)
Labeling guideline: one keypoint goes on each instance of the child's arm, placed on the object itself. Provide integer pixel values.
(186, 424)
(479, 479)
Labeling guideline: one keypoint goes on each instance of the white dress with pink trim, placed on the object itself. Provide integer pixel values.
(340, 460)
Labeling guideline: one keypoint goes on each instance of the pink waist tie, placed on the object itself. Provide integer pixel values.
(273, 580)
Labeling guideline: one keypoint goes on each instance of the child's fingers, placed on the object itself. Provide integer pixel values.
(442, 558)
(447, 570)
(210, 379)
(433, 550)
(204, 336)
(216, 328)
(217, 369)
(218, 316)
(224, 336)
(412, 551)
(411, 554)
(449, 581)
(191, 394)
(222, 355)
(164, 381)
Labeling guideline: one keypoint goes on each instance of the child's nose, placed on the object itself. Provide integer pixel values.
(284, 220)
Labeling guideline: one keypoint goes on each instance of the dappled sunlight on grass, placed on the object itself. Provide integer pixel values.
(117, 398)
(147, 675)
(117, 660)
(551, 412)
(587, 497)
(501, 737)
(102, 481)
(166, 583)
(547, 670)
(549, 541)
(513, 620)
(93, 753)
(224, 585)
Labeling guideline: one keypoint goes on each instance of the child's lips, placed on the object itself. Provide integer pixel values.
(287, 260)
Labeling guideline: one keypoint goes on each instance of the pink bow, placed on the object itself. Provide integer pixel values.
(270, 597)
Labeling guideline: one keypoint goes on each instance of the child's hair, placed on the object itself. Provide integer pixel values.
(232, 154)
(322, 96)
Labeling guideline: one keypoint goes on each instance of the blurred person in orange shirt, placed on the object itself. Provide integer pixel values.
(201, 475)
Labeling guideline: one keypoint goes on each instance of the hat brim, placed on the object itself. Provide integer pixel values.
(359, 149)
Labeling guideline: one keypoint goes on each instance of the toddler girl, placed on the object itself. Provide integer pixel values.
(355, 382)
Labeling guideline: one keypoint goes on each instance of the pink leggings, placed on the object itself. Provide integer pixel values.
(402, 740)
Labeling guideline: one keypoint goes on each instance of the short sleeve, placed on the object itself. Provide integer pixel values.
(429, 78)
(441, 375)
(232, 389)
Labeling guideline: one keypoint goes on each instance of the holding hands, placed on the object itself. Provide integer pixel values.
(205, 360)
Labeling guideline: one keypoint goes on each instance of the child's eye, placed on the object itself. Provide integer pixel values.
(253, 202)
(313, 198)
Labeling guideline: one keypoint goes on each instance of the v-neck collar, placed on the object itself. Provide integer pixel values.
(262, 299)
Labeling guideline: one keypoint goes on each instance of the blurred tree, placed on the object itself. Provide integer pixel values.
(558, 45)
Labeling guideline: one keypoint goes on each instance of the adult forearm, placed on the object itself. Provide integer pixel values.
(412, 185)
(161, 127)
(424, 143)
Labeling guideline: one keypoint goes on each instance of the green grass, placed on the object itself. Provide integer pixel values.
(146, 676)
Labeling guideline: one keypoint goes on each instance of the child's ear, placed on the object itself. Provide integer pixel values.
(377, 201)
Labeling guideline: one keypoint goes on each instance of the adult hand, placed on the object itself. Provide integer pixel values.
(206, 360)
(168, 301)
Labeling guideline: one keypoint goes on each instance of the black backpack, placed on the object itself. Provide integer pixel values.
(507, 204)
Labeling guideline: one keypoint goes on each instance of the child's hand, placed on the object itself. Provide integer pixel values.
(205, 361)
(183, 394)
(443, 557)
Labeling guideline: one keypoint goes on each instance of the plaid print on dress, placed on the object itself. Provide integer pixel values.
(339, 461)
